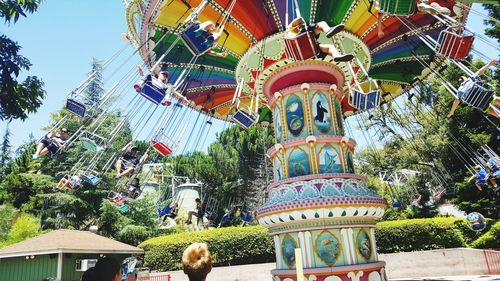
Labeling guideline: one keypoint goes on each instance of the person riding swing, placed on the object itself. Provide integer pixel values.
(127, 163)
(51, 143)
(298, 26)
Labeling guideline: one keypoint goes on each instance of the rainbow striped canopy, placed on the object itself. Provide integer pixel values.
(389, 59)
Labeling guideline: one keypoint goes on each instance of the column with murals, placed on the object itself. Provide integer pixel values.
(317, 202)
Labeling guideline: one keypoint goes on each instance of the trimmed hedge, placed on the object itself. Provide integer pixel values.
(490, 239)
(244, 245)
(230, 245)
(418, 234)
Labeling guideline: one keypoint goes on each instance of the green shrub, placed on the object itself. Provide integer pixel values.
(231, 245)
(418, 234)
(490, 239)
(133, 234)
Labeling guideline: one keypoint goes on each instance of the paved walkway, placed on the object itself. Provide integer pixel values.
(261, 272)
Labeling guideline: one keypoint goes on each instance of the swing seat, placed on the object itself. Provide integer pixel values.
(302, 47)
(91, 179)
(398, 7)
(161, 147)
(90, 144)
(123, 208)
(164, 211)
(453, 45)
(478, 97)
(495, 175)
(76, 107)
(363, 101)
(116, 198)
(197, 41)
(396, 204)
(244, 118)
(155, 90)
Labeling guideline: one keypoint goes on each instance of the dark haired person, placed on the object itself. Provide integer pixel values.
(106, 269)
(199, 212)
(50, 143)
(127, 163)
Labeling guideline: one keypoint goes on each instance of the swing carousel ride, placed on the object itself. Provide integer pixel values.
(249, 66)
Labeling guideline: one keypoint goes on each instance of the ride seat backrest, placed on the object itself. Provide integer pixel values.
(453, 45)
(302, 47)
(198, 41)
(478, 96)
(363, 101)
(244, 118)
(161, 147)
(155, 90)
(398, 7)
(76, 107)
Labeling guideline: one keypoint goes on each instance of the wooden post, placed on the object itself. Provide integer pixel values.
(299, 265)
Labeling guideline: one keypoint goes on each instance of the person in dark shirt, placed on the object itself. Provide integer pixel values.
(134, 189)
(199, 212)
(51, 143)
(127, 163)
(298, 26)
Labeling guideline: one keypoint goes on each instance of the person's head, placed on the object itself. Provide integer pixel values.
(133, 151)
(208, 26)
(462, 79)
(486, 157)
(163, 76)
(197, 261)
(198, 201)
(89, 275)
(107, 269)
(135, 182)
(477, 168)
(64, 131)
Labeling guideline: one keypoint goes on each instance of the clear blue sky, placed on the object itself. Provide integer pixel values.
(64, 35)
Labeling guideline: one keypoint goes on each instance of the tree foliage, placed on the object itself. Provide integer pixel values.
(17, 98)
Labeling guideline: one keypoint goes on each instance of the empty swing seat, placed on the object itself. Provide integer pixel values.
(398, 7)
(197, 40)
(478, 97)
(89, 144)
(453, 45)
(363, 101)
(161, 147)
(76, 107)
(244, 118)
(91, 179)
(302, 47)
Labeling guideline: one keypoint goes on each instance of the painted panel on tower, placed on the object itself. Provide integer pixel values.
(321, 112)
(295, 116)
(329, 160)
(298, 163)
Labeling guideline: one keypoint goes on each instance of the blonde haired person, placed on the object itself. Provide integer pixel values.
(197, 262)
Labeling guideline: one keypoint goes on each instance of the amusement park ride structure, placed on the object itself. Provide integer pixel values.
(317, 203)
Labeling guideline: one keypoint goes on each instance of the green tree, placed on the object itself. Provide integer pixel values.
(24, 227)
(95, 89)
(17, 99)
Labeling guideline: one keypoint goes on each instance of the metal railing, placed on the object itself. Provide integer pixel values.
(492, 258)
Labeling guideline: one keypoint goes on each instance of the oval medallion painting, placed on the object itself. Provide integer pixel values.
(327, 247)
(321, 113)
(364, 245)
(329, 160)
(298, 163)
(294, 115)
(288, 250)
